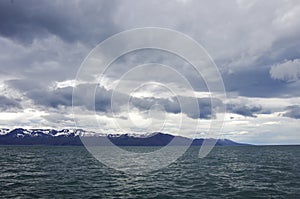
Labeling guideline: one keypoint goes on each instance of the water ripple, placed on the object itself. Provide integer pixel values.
(227, 172)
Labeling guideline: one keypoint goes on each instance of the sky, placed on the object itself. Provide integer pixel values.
(254, 44)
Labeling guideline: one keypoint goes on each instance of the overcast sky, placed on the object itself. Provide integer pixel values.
(255, 45)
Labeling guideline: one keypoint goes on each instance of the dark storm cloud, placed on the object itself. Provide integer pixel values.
(8, 103)
(96, 97)
(61, 96)
(105, 103)
(64, 96)
(40, 94)
(103, 98)
(257, 83)
(174, 105)
(245, 110)
(207, 111)
(292, 112)
(86, 21)
(145, 103)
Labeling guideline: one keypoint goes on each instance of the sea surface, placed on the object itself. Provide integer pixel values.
(227, 172)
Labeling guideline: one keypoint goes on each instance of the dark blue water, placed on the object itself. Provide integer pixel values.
(227, 172)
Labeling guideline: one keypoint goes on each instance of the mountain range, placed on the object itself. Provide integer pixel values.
(20, 136)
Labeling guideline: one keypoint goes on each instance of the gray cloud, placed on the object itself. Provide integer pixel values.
(24, 85)
(52, 99)
(245, 110)
(258, 83)
(8, 103)
(181, 104)
(63, 97)
(145, 103)
(292, 112)
(41, 94)
(71, 21)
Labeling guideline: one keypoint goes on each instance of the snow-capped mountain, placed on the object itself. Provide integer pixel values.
(20, 132)
(4, 131)
(22, 136)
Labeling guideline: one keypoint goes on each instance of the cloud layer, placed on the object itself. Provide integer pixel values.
(254, 44)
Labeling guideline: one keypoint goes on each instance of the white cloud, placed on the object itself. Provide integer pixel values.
(288, 71)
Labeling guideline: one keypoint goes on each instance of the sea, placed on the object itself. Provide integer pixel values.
(227, 172)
